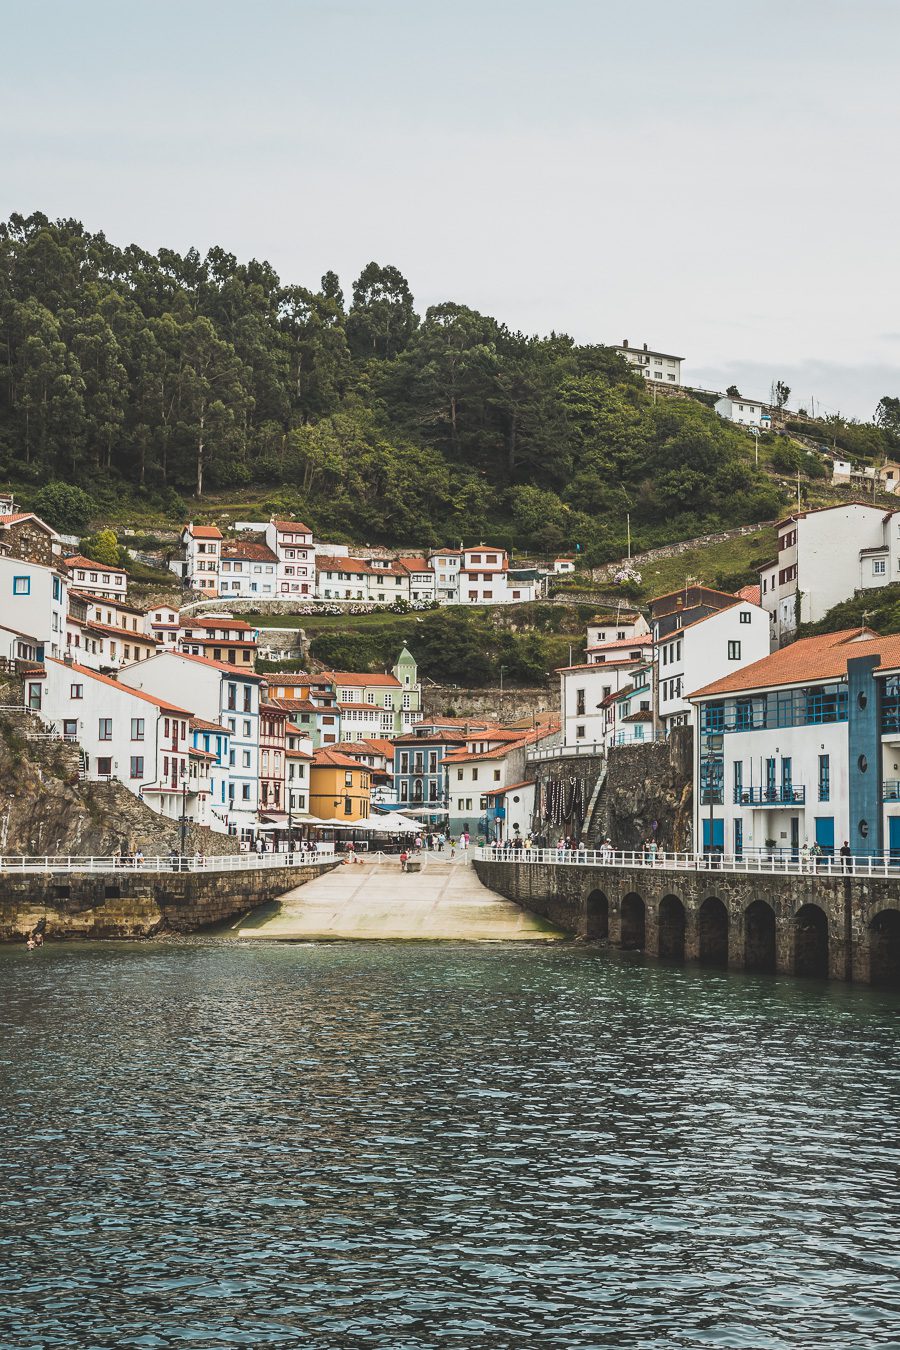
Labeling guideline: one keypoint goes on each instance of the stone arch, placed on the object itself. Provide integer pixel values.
(759, 936)
(712, 932)
(596, 916)
(634, 923)
(672, 924)
(811, 942)
(884, 948)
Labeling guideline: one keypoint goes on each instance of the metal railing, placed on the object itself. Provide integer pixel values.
(890, 790)
(564, 751)
(785, 794)
(228, 862)
(776, 863)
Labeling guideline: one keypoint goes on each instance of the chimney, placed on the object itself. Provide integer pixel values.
(624, 342)
(645, 346)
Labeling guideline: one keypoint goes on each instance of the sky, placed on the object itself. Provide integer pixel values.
(715, 177)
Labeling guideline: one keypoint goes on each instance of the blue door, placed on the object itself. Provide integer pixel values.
(718, 836)
(894, 837)
(787, 779)
(825, 835)
(770, 780)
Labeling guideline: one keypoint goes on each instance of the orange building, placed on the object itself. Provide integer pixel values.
(339, 787)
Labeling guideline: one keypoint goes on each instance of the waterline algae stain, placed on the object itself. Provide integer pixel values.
(381, 1145)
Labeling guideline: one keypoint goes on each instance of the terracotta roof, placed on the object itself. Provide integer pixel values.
(329, 757)
(642, 715)
(513, 787)
(441, 737)
(808, 661)
(601, 665)
(328, 564)
(694, 586)
(238, 671)
(203, 531)
(26, 515)
(145, 638)
(200, 754)
(76, 560)
(643, 640)
(529, 738)
(248, 552)
(353, 679)
(123, 688)
(266, 706)
(115, 601)
(370, 745)
(297, 754)
(415, 564)
(751, 593)
(289, 681)
(212, 621)
(198, 724)
(291, 526)
(207, 640)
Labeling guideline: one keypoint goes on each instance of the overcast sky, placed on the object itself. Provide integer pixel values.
(716, 178)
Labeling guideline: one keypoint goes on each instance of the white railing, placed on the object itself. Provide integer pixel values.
(564, 751)
(881, 865)
(228, 862)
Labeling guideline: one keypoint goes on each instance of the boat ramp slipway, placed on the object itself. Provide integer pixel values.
(375, 899)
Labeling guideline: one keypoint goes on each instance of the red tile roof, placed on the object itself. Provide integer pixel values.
(238, 671)
(198, 724)
(247, 552)
(25, 515)
(212, 621)
(291, 527)
(203, 531)
(328, 756)
(76, 560)
(808, 661)
(354, 679)
(751, 593)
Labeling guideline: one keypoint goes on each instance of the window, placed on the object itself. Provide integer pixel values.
(246, 728)
(496, 775)
(245, 792)
(137, 766)
(348, 778)
(579, 733)
(734, 651)
(76, 691)
(579, 703)
(474, 775)
(137, 730)
(248, 694)
(879, 567)
(21, 585)
(245, 758)
(746, 616)
(348, 807)
(824, 778)
(105, 732)
(104, 767)
(738, 770)
(459, 774)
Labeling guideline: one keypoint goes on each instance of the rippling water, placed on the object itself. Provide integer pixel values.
(410, 1146)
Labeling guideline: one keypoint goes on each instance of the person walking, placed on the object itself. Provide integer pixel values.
(845, 855)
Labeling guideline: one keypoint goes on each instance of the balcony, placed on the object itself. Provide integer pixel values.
(784, 794)
(890, 790)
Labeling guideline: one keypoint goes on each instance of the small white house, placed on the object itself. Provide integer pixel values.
(34, 602)
(746, 412)
(660, 366)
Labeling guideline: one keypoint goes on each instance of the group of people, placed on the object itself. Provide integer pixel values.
(124, 858)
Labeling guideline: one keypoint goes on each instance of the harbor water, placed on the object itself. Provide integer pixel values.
(401, 1146)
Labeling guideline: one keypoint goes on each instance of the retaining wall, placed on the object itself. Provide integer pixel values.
(132, 904)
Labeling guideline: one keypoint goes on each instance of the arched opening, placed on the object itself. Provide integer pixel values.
(671, 928)
(884, 948)
(596, 916)
(811, 942)
(633, 923)
(759, 936)
(712, 926)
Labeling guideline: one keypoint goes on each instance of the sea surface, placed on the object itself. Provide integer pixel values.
(208, 1144)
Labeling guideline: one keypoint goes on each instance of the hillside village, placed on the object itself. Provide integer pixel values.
(167, 699)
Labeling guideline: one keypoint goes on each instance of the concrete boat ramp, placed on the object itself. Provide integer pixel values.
(375, 899)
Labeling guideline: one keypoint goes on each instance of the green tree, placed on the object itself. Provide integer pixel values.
(102, 547)
(381, 319)
(66, 507)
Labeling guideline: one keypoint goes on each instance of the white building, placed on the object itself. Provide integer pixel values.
(163, 623)
(247, 570)
(824, 557)
(803, 748)
(623, 626)
(484, 579)
(34, 602)
(660, 366)
(131, 735)
(707, 649)
(218, 693)
(292, 543)
(210, 754)
(298, 756)
(445, 563)
(96, 578)
(202, 555)
(586, 687)
(746, 412)
(479, 774)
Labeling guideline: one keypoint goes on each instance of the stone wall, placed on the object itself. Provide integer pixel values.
(132, 903)
(843, 928)
(643, 784)
(604, 573)
(452, 700)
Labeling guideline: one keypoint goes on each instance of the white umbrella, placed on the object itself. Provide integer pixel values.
(395, 823)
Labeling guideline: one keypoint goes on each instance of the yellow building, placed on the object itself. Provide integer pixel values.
(338, 787)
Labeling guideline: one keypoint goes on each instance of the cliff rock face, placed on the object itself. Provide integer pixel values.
(639, 785)
(45, 809)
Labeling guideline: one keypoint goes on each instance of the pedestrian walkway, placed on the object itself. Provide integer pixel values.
(444, 902)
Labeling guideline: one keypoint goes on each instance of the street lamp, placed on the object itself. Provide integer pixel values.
(184, 788)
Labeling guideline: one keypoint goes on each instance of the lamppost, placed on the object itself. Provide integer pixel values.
(184, 819)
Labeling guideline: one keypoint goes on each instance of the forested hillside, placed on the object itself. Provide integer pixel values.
(164, 379)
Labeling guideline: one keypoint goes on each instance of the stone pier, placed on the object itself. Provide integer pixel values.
(836, 927)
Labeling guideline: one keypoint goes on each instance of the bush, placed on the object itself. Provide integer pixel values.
(66, 507)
